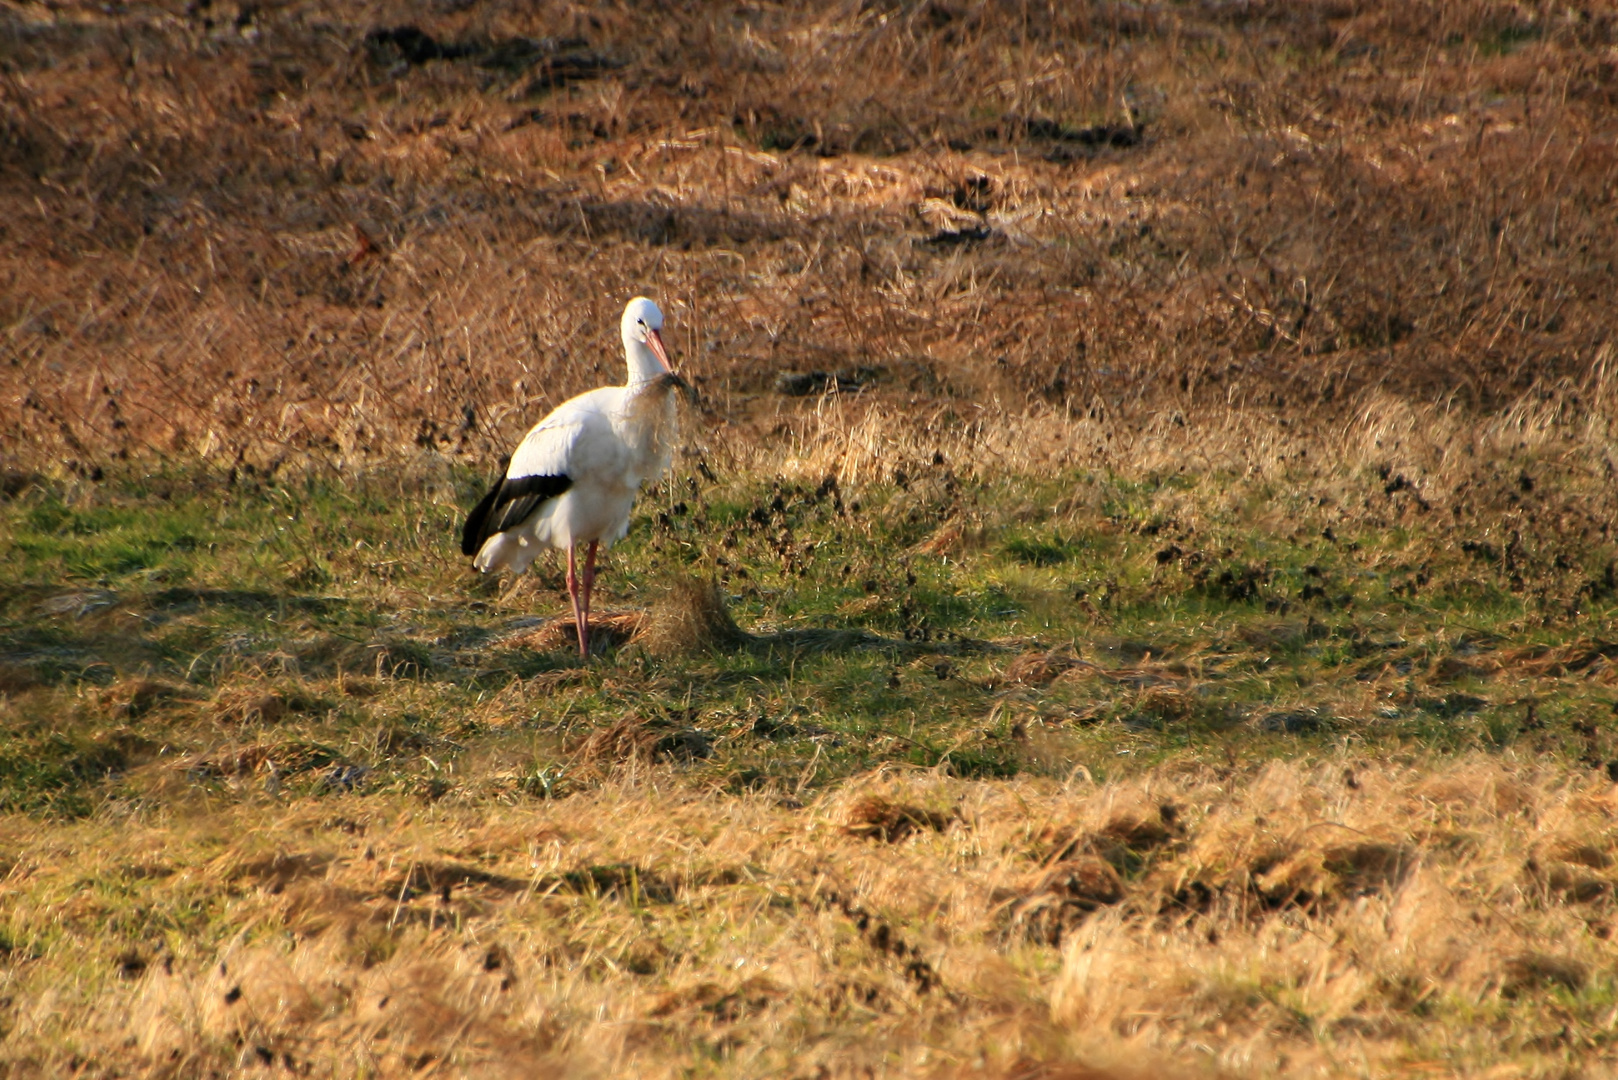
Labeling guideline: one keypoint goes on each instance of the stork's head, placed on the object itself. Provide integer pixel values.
(643, 341)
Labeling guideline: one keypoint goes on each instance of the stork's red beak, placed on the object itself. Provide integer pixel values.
(655, 340)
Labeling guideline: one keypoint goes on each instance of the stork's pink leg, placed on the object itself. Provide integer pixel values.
(589, 577)
(581, 621)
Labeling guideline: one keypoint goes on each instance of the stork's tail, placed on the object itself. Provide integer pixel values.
(472, 533)
(506, 551)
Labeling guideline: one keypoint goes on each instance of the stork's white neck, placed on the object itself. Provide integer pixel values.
(644, 365)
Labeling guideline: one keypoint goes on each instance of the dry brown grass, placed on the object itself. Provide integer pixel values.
(1337, 918)
(690, 616)
(608, 630)
(874, 817)
(250, 235)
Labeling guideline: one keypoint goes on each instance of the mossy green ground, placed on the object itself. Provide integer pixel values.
(322, 636)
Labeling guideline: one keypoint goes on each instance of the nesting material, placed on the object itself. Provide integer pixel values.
(690, 617)
(608, 631)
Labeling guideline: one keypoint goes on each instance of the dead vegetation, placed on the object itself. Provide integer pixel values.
(1042, 668)
(263, 236)
(689, 618)
(1270, 921)
(876, 818)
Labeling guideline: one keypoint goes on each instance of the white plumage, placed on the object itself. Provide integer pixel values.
(572, 481)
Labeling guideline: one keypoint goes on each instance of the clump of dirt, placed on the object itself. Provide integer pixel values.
(1063, 896)
(17, 679)
(137, 697)
(876, 818)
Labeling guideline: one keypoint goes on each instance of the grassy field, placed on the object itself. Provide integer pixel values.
(986, 771)
(1138, 596)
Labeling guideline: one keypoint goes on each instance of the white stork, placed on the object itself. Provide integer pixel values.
(574, 477)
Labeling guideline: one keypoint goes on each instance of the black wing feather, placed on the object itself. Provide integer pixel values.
(511, 501)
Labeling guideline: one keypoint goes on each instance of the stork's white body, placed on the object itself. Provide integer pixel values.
(609, 442)
(574, 478)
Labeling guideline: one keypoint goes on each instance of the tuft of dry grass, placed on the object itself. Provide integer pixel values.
(690, 616)
(609, 630)
(1042, 668)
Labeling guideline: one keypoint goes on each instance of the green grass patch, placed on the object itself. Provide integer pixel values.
(345, 610)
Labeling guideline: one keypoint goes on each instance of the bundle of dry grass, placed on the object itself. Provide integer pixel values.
(609, 631)
(690, 616)
(687, 616)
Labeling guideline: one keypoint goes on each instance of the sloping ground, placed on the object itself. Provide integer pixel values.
(254, 232)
